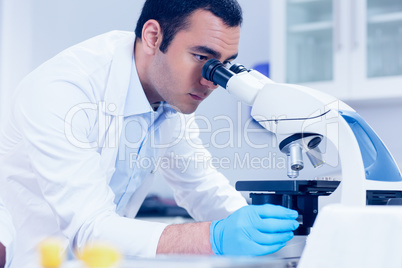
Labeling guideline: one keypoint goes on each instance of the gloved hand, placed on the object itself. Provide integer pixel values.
(253, 230)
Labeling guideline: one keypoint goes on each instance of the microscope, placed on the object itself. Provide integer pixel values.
(303, 119)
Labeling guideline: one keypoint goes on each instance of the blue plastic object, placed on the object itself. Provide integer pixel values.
(263, 68)
(379, 165)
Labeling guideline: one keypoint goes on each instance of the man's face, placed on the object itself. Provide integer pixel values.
(176, 75)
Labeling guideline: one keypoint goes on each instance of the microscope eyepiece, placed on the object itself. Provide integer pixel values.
(238, 68)
(216, 72)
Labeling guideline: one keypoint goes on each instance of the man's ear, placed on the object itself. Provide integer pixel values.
(151, 36)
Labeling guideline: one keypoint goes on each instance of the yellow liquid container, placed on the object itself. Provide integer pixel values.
(51, 253)
(100, 256)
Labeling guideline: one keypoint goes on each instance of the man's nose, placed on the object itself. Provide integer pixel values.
(209, 84)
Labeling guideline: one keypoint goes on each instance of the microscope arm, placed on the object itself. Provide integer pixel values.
(287, 110)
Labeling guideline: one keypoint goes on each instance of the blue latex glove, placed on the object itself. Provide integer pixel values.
(253, 230)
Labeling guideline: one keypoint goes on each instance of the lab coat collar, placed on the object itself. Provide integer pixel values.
(119, 77)
(124, 87)
(136, 101)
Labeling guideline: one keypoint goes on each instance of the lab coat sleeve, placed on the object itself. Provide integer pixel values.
(71, 178)
(198, 186)
(7, 232)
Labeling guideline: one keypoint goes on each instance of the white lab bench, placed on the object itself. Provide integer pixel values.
(201, 262)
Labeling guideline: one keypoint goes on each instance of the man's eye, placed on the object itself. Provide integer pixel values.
(200, 57)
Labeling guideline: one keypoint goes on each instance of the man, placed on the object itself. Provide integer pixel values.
(7, 234)
(85, 123)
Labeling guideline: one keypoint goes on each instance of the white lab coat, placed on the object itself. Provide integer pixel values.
(58, 153)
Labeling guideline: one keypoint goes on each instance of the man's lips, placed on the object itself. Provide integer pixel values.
(196, 97)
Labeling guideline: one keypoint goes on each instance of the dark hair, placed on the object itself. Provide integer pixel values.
(172, 15)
